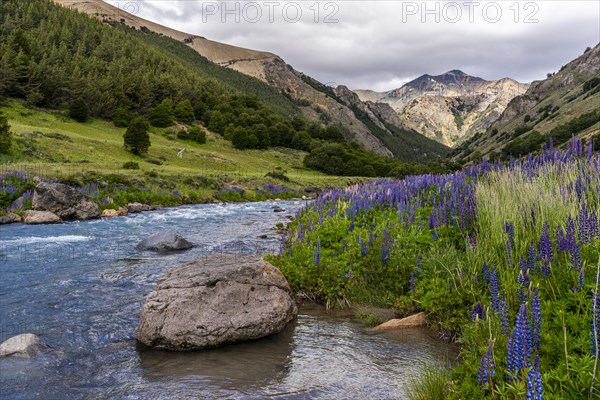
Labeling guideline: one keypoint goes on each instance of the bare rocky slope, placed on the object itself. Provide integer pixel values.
(448, 108)
(316, 101)
(564, 104)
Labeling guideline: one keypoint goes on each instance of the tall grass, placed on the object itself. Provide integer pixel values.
(432, 383)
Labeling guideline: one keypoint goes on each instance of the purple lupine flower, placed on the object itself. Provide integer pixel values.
(583, 225)
(536, 320)
(486, 272)
(545, 251)
(384, 253)
(561, 241)
(534, 381)
(509, 228)
(511, 359)
(546, 271)
(317, 253)
(351, 227)
(487, 367)
(580, 280)
(519, 351)
(344, 245)
(523, 280)
(504, 320)
(494, 290)
(434, 236)
(363, 248)
(531, 257)
(413, 277)
(593, 225)
(508, 252)
(595, 334)
(478, 312)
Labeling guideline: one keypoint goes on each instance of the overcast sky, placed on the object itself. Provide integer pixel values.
(380, 45)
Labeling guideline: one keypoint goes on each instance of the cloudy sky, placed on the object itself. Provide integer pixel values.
(380, 45)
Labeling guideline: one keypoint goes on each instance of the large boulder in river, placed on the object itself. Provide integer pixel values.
(166, 240)
(24, 345)
(64, 201)
(216, 300)
(40, 217)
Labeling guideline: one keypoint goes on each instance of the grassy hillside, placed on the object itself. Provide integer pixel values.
(52, 145)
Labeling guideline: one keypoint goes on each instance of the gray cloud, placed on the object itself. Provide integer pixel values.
(381, 44)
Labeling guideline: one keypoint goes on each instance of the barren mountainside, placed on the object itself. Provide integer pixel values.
(450, 107)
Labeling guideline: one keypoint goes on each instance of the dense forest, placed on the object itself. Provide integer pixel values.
(53, 57)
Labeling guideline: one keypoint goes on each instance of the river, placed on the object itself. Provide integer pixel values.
(80, 287)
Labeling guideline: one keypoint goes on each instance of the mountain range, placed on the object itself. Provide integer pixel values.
(449, 107)
(422, 118)
(374, 126)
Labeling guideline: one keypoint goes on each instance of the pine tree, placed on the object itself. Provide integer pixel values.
(162, 115)
(184, 112)
(136, 138)
(5, 135)
(78, 110)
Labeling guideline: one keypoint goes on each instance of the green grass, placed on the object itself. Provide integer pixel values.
(53, 145)
(433, 383)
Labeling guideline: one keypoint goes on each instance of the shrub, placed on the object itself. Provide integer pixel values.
(131, 165)
(122, 118)
(136, 138)
(278, 175)
(161, 116)
(79, 110)
(197, 134)
(184, 112)
(5, 134)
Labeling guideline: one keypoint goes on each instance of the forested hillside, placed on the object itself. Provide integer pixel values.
(57, 58)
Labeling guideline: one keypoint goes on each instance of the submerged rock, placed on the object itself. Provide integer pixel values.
(40, 217)
(64, 201)
(24, 345)
(220, 299)
(412, 321)
(166, 240)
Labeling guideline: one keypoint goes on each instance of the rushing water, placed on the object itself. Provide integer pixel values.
(80, 286)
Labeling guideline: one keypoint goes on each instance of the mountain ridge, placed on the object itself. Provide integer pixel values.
(316, 101)
(449, 107)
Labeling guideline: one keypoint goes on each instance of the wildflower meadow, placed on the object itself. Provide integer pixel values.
(502, 257)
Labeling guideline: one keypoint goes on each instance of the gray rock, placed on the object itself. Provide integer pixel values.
(24, 345)
(278, 209)
(40, 217)
(134, 208)
(66, 202)
(11, 218)
(166, 240)
(216, 300)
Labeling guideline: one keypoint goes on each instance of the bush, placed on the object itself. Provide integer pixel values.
(197, 134)
(184, 112)
(183, 135)
(131, 165)
(79, 110)
(278, 175)
(136, 138)
(122, 118)
(5, 134)
(161, 116)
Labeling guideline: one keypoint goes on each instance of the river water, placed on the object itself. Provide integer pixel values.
(80, 287)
